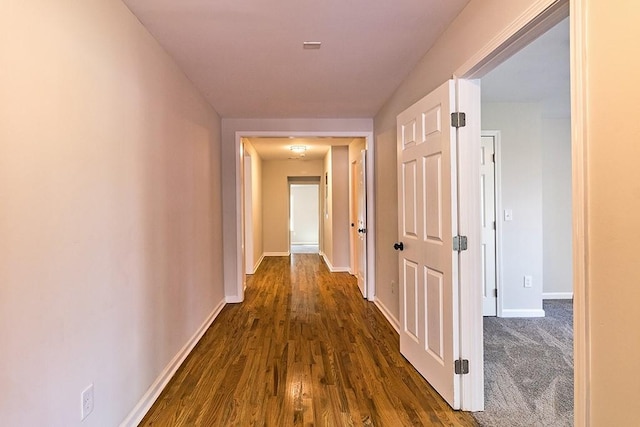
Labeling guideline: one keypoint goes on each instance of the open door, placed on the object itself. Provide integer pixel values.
(361, 222)
(428, 264)
(488, 224)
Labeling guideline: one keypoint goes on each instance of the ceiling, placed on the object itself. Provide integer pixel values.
(246, 56)
(538, 73)
(279, 148)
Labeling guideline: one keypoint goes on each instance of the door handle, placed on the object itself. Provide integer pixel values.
(362, 230)
(398, 246)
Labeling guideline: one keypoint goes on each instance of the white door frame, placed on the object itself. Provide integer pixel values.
(495, 134)
(239, 164)
(307, 181)
(541, 16)
(248, 209)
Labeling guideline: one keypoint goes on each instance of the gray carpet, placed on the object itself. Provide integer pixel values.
(529, 369)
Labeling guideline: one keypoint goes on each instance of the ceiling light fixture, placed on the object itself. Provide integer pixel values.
(311, 45)
(298, 148)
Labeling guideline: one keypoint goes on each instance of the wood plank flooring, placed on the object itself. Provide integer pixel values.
(304, 349)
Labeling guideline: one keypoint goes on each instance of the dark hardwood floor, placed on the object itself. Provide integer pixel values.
(304, 349)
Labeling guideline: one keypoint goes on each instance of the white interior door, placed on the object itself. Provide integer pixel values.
(361, 224)
(428, 264)
(488, 224)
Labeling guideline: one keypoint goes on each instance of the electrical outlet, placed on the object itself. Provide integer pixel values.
(528, 281)
(87, 402)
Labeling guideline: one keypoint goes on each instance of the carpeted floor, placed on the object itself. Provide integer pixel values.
(529, 369)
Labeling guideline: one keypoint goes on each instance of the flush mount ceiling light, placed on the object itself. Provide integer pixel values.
(298, 148)
(311, 45)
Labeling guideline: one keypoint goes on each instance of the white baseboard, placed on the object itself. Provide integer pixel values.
(332, 268)
(305, 243)
(148, 399)
(557, 295)
(255, 267)
(508, 312)
(276, 254)
(395, 324)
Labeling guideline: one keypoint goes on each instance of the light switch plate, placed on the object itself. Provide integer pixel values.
(508, 215)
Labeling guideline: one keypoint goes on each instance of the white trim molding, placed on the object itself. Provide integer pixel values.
(331, 268)
(579, 135)
(255, 267)
(275, 254)
(536, 20)
(557, 295)
(514, 312)
(149, 398)
(393, 321)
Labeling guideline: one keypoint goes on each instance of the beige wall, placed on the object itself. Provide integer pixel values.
(613, 204)
(110, 256)
(335, 244)
(275, 206)
(475, 26)
(339, 181)
(557, 211)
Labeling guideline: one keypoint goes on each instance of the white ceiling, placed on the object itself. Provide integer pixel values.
(538, 73)
(279, 148)
(246, 56)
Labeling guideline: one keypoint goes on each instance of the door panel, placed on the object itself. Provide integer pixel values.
(433, 198)
(426, 191)
(409, 196)
(411, 299)
(435, 321)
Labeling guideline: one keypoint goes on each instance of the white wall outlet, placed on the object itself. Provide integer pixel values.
(528, 281)
(87, 402)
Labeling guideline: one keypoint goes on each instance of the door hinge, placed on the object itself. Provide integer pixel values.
(495, 293)
(494, 225)
(458, 120)
(459, 243)
(493, 158)
(461, 366)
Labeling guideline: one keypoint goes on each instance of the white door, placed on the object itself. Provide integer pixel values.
(428, 264)
(488, 224)
(361, 222)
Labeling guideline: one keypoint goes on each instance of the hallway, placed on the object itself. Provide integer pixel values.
(303, 349)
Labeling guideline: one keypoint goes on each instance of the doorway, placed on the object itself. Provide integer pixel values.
(304, 216)
(234, 258)
(526, 118)
(531, 25)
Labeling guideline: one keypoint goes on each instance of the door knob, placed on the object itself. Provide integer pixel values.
(398, 246)
(361, 230)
